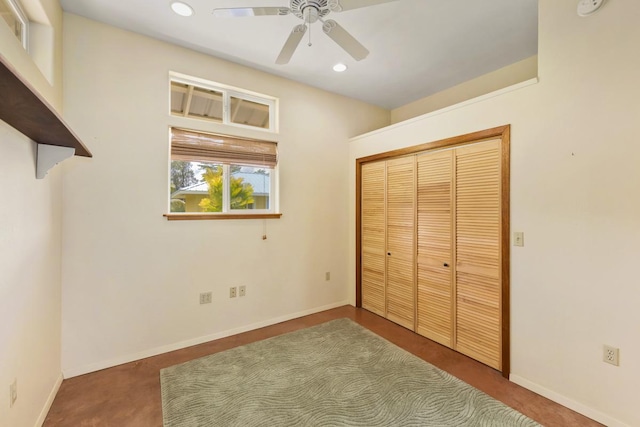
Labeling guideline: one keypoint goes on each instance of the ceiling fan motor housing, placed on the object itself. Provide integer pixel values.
(310, 10)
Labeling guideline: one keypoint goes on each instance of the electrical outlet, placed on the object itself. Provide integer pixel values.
(611, 355)
(233, 292)
(205, 298)
(242, 291)
(327, 276)
(518, 238)
(13, 392)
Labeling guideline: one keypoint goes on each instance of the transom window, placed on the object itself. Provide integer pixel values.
(12, 14)
(212, 173)
(198, 99)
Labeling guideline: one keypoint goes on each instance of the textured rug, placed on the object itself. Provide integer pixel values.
(334, 374)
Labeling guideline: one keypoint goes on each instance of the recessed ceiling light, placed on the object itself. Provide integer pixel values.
(182, 9)
(338, 68)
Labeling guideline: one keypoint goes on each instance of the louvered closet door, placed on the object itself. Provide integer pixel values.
(435, 257)
(373, 237)
(478, 281)
(400, 241)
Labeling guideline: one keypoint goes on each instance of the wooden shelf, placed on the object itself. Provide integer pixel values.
(24, 109)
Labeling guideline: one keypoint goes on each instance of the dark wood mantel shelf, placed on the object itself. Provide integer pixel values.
(25, 110)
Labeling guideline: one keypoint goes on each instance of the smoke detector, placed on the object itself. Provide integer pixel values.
(589, 7)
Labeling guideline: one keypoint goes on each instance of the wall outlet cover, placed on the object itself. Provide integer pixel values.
(611, 355)
(205, 298)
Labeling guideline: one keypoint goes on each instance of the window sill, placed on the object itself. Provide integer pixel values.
(196, 216)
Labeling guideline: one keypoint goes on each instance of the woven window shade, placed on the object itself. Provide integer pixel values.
(212, 148)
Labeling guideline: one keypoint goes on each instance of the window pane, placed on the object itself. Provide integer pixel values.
(249, 113)
(9, 16)
(193, 101)
(178, 98)
(196, 187)
(206, 104)
(250, 187)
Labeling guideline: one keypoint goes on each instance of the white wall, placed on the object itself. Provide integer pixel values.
(30, 281)
(131, 278)
(574, 192)
(30, 240)
(504, 77)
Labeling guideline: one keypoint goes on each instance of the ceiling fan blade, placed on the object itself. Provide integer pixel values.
(342, 5)
(291, 44)
(344, 40)
(236, 12)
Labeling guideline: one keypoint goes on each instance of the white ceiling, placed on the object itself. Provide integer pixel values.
(418, 47)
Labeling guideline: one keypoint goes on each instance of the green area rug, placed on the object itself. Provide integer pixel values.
(334, 374)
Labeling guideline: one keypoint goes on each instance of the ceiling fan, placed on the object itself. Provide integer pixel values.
(310, 11)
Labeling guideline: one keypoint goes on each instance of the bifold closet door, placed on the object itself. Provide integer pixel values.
(373, 237)
(435, 242)
(478, 252)
(400, 241)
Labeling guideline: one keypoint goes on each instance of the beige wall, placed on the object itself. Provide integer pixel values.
(30, 239)
(499, 79)
(574, 193)
(131, 279)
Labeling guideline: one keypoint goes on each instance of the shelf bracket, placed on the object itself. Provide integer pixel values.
(50, 155)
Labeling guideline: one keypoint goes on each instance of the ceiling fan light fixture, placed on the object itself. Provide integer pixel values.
(181, 8)
(339, 67)
(311, 11)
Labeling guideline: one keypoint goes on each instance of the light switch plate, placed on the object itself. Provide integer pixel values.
(518, 238)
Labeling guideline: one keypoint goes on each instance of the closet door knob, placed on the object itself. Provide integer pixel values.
(446, 265)
(389, 253)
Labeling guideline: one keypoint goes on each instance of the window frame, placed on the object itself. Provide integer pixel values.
(227, 212)
(226, 194)
(227, 93)
(234, 130)
(19, 14)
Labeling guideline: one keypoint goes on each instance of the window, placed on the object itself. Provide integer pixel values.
(12, 14)
(198, 99)
(213, 173)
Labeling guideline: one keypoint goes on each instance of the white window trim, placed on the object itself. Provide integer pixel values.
(228, 92)
(232, 129)
(22, 17)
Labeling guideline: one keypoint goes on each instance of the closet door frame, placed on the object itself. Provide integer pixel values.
(504, 134)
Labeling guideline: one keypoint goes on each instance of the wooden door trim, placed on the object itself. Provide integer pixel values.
(502, 132)
(505, 169)
(358, 234)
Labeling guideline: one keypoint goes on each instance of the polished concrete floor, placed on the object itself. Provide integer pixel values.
(129, 394)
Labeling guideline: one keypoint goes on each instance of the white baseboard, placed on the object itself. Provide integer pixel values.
(74, 372)
(567, 402)
(49, 402)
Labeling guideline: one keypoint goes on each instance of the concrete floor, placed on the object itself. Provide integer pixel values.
(129, 394)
